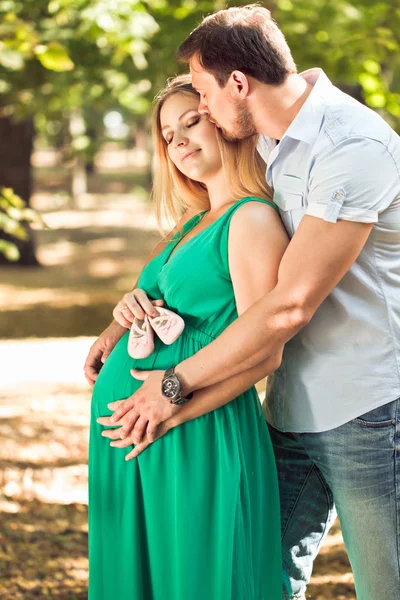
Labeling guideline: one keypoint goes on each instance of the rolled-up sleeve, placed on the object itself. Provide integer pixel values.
(355, 181)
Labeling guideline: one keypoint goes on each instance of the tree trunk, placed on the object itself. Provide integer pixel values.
(16, 144)
(77, 128)
(79, 180)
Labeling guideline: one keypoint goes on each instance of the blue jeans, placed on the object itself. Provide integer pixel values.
(354, 470)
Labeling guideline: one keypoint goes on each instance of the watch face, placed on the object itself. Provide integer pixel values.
(170, 388)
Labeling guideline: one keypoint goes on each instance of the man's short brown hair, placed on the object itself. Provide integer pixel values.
(242, 38)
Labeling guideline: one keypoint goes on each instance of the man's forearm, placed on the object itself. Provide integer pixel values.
(258, 333)
(215, 396)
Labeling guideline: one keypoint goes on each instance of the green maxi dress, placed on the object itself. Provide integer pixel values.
(196, 515)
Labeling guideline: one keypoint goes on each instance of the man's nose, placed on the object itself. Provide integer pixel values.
(203, 108)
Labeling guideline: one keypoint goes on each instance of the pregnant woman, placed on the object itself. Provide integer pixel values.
(196, 515)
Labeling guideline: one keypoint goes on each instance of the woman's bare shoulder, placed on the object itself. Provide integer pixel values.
(257, 218)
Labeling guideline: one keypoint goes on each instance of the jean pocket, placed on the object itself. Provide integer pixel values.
(383, 416)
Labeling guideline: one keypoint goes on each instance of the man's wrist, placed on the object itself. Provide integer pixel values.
(115, 325)
(186, 387)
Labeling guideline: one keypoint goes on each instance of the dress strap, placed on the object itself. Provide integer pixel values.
(251, 199)
(224, 230)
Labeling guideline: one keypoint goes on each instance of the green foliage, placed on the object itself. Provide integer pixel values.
(14, 216)
(356, 43)
(63, 57)
(53, 53)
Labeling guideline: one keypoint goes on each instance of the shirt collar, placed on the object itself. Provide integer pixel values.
(307, 122)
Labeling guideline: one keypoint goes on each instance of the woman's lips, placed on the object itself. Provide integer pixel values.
(189, 155)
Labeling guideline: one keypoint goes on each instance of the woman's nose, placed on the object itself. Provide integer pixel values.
(180, 140)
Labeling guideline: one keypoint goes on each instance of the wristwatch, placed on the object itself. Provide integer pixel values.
(171, 388)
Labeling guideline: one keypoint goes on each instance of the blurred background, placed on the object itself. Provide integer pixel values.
(77, 78)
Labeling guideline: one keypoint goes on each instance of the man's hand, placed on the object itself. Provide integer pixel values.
(145, 410)
(100, 350)
(115, 435)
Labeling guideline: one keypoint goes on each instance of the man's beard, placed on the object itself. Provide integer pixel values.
(242, 127)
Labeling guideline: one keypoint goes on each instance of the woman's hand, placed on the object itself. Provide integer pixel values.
(101, 350)
(140, 445)
(135, 304)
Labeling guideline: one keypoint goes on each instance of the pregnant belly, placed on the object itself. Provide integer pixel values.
(115, 381)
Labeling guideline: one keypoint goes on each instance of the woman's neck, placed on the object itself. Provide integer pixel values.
(219, 192)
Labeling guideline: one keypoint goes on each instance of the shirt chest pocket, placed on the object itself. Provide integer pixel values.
(291, 206)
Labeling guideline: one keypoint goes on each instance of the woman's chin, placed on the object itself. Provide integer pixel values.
(202, 175)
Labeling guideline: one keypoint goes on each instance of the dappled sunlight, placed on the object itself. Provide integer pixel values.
(9, 506)
(63, 485)
(23, 298)
(335, 539)
(338, 578)
(43, 362)
(104, 267)
(58, 253)
(332, 587)
(43, 551)
(90, 259)
(134, 215)
(106, 245)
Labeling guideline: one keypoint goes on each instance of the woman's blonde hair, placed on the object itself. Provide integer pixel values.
(173, 192)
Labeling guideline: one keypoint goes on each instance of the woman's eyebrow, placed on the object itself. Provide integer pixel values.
(181, 117)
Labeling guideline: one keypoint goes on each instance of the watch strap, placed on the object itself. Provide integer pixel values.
(169, 372)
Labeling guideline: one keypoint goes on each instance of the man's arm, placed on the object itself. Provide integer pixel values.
(203, 402)
(316, 259)
(210, 398)
(348, 187)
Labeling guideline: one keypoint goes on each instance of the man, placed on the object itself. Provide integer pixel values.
(334, 411)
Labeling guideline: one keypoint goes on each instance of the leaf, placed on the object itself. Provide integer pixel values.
(12, 227)
(370, 83)
(54, 57)
(9, 250)
(12, 198)
(376, 100)
(17, 214)
(11, 58)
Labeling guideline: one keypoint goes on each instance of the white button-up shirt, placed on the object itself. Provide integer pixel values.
(340, 160)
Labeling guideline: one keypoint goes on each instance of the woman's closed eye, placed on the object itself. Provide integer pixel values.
(191, 123)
